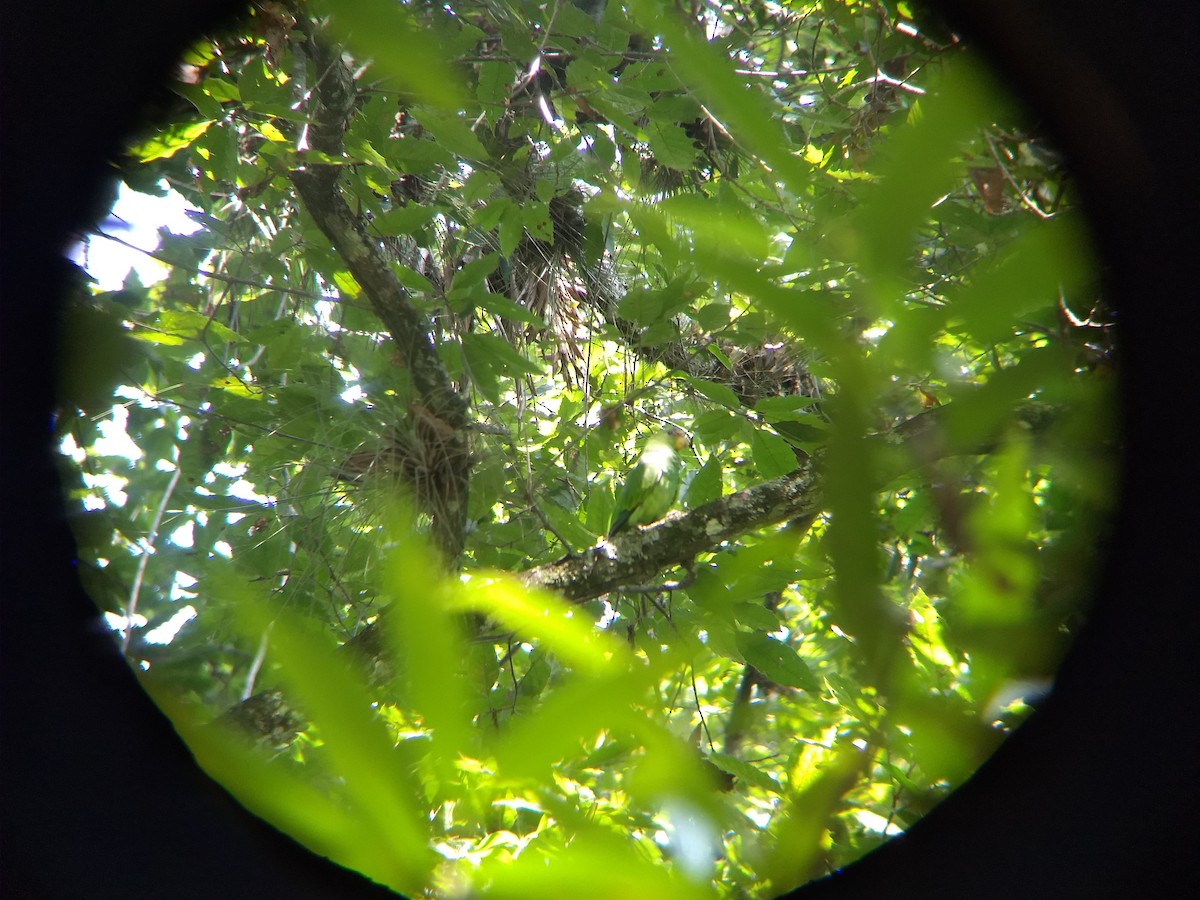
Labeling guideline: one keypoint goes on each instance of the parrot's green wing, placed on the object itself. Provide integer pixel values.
(651, 488)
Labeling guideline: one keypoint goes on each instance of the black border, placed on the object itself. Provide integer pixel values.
(1094, 797)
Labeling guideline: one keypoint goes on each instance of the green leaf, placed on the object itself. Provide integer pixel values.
(452, 132)
(405, 219)
(572, 21)
(490, 359)
(566, 523)
(596, 863)
(744, 771)
(380, 786)
(495, 352)
(346, 284)
(404, 47)
(495, 81)
(773, 456)
(95, 350)
(419, 156)
(714, 317)
(794, 408)
(642, 306)
(609, 107)
(237, 387)
(167, 143)
(174, 326)
(755, 616)
(716, 425)
(670, 144)
(511, 230)
(258, 87)
(705, 485)
(599, 508)
(719, 228)
(221, 90)
(411, 279)
(1050, 257)
(476, 271)
(776, 660)
(742, 110)
(566, 721)
(800, 826)
(536, 219)
(490, 215)
(422, 632)
(502, 306)
(196, 94)
(715, 391)
(278, 795)
(920, 160)
(543, 615)
(659, 333)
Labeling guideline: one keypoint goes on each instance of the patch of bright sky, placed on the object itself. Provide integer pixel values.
(244, 490)
(118, 623)
(144, 399)
(165, 633)
(876, 332)
(113, 440)
(241, 488)
(184, 535)
(135, 219)
(877, 823)
(691, 836)
(111, 488)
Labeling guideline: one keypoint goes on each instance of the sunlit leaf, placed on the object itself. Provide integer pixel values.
(542, 615)
(375, 777)
(167, 144)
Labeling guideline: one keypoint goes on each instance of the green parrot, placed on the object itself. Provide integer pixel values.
(651, 488)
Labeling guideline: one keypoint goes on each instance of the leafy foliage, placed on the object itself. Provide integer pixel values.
(456, 261)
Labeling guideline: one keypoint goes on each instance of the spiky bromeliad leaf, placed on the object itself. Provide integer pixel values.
(651, 488)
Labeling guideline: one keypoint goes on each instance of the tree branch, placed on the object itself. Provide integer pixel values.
(440, 407)
(639, 556)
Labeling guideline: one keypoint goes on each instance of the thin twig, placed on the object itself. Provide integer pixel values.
(1025, 199)
(219, 276)
(270, 432)
(248, 690)
(664, 588)
(147, 552)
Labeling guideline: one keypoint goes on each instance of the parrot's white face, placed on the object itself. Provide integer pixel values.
(658, 456)
(651, 488)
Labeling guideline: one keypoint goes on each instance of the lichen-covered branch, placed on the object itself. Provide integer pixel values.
(641, 556)
(637, 557)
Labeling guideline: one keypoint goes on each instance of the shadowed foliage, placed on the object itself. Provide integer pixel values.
(605, 449)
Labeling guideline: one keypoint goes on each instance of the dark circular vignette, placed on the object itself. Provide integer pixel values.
(98, 795)
(1086, 800)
